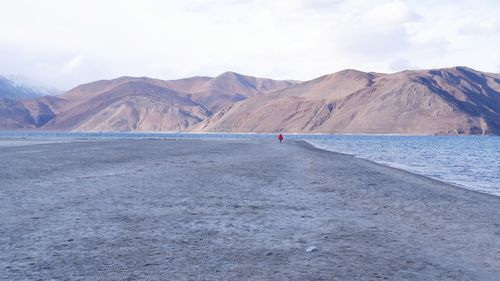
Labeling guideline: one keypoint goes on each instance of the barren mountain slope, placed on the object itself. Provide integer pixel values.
(446, 101)
(13, 115)
(141, 103)
(229, 87)
(454, 100)
(135, 105)
(44, 109)
(211, 93)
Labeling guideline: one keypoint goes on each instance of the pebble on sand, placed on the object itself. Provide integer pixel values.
(310, 249)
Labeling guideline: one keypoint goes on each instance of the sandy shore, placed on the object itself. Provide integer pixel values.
(233, 210)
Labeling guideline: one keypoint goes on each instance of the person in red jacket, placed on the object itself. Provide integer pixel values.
(280, 137)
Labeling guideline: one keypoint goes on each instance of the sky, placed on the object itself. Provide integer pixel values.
(67, 43)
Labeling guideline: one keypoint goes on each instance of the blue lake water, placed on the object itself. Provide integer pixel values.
(471, 162)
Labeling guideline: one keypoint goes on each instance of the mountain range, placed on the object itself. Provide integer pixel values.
(457, 100)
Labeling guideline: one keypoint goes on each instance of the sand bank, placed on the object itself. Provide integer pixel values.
(233, 210)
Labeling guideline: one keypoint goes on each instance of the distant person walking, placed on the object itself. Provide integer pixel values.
(280, 137)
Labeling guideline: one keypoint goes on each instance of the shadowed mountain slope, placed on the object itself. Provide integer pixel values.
(13, 115)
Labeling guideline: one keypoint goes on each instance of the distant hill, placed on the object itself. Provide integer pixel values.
(16, 87)
(229, 87)
(13, 115)
(146, 104)
(456, 100)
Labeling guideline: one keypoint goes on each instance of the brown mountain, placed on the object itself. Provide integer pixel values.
(455, 100)
(134, 105)
(29, 114)
(229, 87)
(146, 104)
(13, 115)
(43, 109)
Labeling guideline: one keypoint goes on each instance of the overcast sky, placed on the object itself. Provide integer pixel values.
(66, 43)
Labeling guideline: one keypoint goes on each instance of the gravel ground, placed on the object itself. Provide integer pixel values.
(233, 210)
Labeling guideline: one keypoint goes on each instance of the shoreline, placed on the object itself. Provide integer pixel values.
(455, 185)
(158, 135)
(298, 142)
(450, 184)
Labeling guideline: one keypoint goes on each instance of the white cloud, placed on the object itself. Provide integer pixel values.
(73, 64)
(401, 64)
(392, 13)
(71, 42)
